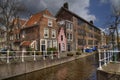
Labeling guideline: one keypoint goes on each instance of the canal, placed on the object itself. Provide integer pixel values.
(81, 69)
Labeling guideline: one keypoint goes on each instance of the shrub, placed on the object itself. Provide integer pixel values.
(51, 49)
(78, 53)
(29, 49)
(69, 54)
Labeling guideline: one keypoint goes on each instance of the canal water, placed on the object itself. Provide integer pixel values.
(81, 69)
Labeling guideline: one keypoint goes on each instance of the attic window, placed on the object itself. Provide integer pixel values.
(50, 23)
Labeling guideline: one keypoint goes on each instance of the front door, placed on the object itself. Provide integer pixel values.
(68, 46)
(43, 48)
(59, 47)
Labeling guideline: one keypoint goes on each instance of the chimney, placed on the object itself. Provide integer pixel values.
(91, 21)
(65, 5)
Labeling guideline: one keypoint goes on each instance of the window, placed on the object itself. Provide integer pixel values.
(80, 41)
(50, 22)
(90, 27)
(46, 33)
(55, 43)
(23, 35)
(69, 26)
(81, 32)
(63, 46)
(61, 37)
(90, 42)
(69, 36)
(49, 43)
(53, 33)
(80, 22)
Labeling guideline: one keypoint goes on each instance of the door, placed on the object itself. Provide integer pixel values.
(59, 47)
(68, 46)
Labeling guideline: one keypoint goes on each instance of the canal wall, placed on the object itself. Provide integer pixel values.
(102, 75)
(110, 71)
(15, 69)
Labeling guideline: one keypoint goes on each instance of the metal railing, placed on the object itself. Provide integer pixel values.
(106, 56)
(21, 56)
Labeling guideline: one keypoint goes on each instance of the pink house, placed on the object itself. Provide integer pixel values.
(62, 39)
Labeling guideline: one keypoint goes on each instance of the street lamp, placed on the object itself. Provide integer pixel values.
(112, 30)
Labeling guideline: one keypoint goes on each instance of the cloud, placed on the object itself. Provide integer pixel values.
(116, 6)
(103, 1)
(80, 7)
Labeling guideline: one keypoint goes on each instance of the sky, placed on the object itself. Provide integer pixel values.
(97, 10)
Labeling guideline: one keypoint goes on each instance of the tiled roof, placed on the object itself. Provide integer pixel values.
(35, 18)
(25, 43)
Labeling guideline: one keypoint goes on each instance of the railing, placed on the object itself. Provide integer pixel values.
(21, 56)
(106, 56)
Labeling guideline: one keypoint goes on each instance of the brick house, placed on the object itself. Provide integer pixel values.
(83, 34)
(62, 41)
(42, 29)
(30, 37)
(16, 35)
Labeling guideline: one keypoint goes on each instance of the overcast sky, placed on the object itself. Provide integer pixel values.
(96, 10)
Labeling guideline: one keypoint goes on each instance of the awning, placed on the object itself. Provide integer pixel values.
(25, 43)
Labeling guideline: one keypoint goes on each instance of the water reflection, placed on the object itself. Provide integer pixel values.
(82, 69)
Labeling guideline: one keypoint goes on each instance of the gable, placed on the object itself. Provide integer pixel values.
(63, 14)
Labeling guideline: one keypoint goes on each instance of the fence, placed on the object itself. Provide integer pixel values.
(106, 56)
(21, 56)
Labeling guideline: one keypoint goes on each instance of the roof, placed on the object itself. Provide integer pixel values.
(25, 43)
(62, 8)
(35, 18)
(20, 21)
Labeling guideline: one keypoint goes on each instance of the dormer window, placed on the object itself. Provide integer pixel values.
(50, 22)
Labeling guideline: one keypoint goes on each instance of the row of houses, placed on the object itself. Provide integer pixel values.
(66, 31)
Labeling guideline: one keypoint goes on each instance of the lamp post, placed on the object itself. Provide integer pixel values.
(112, 30)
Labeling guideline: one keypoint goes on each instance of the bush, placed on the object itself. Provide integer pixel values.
(37, 53)
(69, 54)
(29, 49)
(51, 49)
(78, 53)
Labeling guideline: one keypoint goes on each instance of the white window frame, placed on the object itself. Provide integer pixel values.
(55, 43)
(69, 26)
(23, 35)
(49, 44)
(46, 31)
(68, 37)
(53, 33)
(50, 23)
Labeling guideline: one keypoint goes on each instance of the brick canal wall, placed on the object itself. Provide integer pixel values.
(102, 75)
(111, 71)
(10, 70)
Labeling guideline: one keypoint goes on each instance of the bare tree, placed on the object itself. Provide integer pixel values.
(116, 22)
(9, 11)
